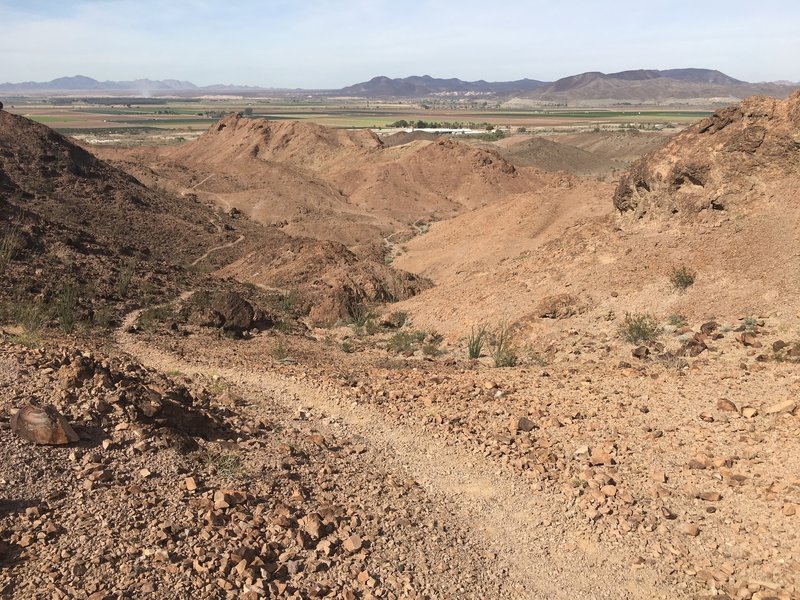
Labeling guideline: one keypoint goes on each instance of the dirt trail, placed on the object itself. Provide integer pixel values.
(505, 516)
(216, 249)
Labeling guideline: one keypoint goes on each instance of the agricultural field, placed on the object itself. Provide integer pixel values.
(131, 121)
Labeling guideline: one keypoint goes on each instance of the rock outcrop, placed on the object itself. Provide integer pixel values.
(724, 162)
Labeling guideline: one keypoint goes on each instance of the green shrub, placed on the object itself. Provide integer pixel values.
(125, 276)
(8, 247)
(66, 308)
(224, 463)
(433, 343)
(505, 353)
(104, 317)
(280, 352)
(398, 318)
(475, 342)
(289, 301)
(151, 318)
(678, 320)
(32, 316)
(405, 341)
(360, 314)
(640, 328)
(681, 278)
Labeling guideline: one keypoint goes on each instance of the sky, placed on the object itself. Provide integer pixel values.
(333, 43)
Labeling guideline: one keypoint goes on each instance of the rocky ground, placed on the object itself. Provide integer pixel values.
(674, 472)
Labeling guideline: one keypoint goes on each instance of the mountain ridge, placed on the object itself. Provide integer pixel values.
(629, 85)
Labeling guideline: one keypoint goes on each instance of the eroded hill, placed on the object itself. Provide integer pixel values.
(326, 183)
(74, 219)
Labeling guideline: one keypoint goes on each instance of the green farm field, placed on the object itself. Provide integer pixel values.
(100, 120)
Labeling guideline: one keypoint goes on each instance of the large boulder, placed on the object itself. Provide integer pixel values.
(42, 425)
(235, 312)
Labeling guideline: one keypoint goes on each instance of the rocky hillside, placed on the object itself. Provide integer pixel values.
(330, 184)
(71, 220)
(740, 155)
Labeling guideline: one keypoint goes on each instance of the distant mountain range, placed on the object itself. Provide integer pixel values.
(639, 86)
(643, 86)
(81, 83)
(419, 87)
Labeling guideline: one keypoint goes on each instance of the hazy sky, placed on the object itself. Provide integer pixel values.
(332, 43)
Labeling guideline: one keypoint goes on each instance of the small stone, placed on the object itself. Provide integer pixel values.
(785, 406)
(748, 412)
(710, 496)
(190, 483)
(227, 499)
(748, 339)
(353, 543)
(789, 510)
(690, 529)
(363, 577)
(521, 424)
(659, 477)
(726, 405)
(600, 457)
(241, 566)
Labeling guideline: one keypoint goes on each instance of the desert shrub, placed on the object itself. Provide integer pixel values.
(505, 352)
(405, 341)
(224, 463)
(32, 315)
(290, 300)
(151, 318)
(347, 347)
(125, 276)
(398, 318)
(640, 328)
(280, 352)
(433, 342)
(678, 320)
(8, 246)
(371, 327)
(360, 314)
(475, 342)
(682, 277)
(66, 308)
(750, 323)
(104, 317)
(201, 299)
